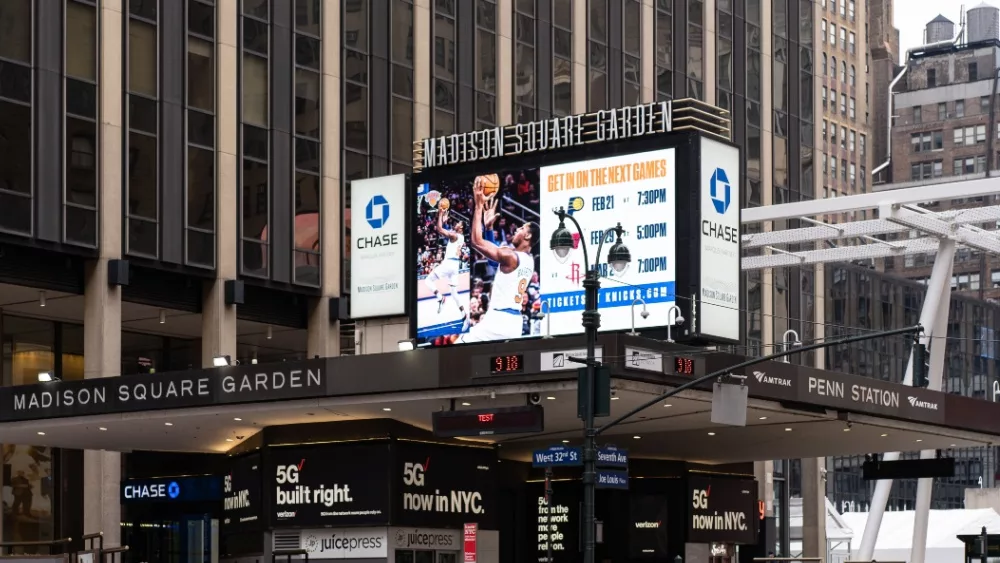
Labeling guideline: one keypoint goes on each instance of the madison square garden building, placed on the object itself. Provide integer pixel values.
(176, 183)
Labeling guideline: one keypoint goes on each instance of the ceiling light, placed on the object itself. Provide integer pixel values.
(711, 433)
(884, 435)
(615, 398)
(951, 445)
(405, 345)
(762, 418)
(386, 409)
(636, 437)
(220, 361)
(229, 439)
(253, 361)
(788, 429)
(847, 429)
(466, 404)
(45, 376)
(270, 332)
(41, 433)
(41, 298)
(551, 398)
(168, 423)
(667, 405)
(565, 441)
(919, 440)
(163, 316)
(103, 429)
(238, 419)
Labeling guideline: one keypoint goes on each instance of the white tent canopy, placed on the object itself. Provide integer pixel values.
(838, 533)
(944, 526)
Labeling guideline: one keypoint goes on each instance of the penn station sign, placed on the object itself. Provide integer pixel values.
(192, 388)
(618, 124)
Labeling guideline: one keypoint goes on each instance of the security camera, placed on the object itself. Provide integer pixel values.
(679, 320)
(644, 314)
(534, 399)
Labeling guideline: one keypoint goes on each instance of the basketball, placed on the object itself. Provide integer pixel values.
(444, 204)
(491, 183)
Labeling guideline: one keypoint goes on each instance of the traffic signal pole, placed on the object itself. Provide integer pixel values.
(936, 303)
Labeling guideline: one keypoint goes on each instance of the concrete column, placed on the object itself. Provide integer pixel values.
(579, 76)
(218, 321)
(102, 336)
(423, 70)
(647, 52)
(814, 508)
(322, 336)
(709, 51)
(763, 471)
(505, 62)
(766, 170)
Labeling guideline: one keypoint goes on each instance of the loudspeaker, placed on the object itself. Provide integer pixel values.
(340, 308)
(234, 292)
(118, 271)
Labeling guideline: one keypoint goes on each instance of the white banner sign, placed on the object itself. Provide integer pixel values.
(637, 190)
(346, 543)
(378, 235)
(560, 360)
(643, 360)
(720, 240)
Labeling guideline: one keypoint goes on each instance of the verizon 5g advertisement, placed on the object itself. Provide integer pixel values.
(378, 247)
(722, 510)
(329, 485)
(444, 487)
(720, 240)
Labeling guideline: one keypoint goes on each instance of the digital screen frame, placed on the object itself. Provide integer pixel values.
(600, 184)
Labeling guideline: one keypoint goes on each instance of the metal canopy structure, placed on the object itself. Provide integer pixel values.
(904, 225)
(907, 228)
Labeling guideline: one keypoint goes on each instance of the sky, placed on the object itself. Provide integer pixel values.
(912, 16)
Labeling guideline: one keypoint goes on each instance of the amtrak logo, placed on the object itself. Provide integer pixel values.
(915, 402)
(377, 211)
(720, 183)
(771, 380)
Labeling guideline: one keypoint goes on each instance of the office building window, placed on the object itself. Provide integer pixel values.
(445, 79)
(200, 76)
(562, 57)
(81, 204)
(695, 50)
(833, 67)
(853, 76)
(973, 72)
(833, 35)
(597, 55)
(255, 193)
(356, 121)
(917, 115)
(960, 108)
(142, 84)
(843, 39)
(851, 40)
(632, 52)
(401, 77)
(724, 54)
(308, 119)
(852, 141)
(664, 49)
(16, 116)
(525, 74)
(843, 71)
(486, 64)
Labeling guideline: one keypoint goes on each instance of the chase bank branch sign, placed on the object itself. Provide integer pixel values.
(192, 388)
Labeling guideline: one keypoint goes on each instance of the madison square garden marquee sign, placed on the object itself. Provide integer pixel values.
(480, 216)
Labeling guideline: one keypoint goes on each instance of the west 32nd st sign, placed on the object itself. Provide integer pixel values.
(237, 384)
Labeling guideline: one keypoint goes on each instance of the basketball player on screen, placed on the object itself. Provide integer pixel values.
(451, 264)
(515, 266)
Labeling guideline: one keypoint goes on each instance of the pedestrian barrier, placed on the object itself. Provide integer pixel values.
(8, 548)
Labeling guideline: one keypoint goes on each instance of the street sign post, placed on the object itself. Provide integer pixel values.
(612, 479)
(612, 464)
(557, 456)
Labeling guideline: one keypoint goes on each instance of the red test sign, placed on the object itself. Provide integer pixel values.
(469, 543)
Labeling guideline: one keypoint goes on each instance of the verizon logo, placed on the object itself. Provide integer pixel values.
(647, 525)
(771, 380)
(915, 402)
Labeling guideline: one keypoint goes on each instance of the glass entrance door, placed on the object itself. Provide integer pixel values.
(191, 539)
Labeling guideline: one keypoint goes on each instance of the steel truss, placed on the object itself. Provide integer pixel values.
(906, 228)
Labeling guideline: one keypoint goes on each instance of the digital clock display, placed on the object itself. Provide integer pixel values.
(513, 363)
(683, 366)
(488, 422)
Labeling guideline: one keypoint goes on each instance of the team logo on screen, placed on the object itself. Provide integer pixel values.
(377, 211)
(720, 183)
(575, 204)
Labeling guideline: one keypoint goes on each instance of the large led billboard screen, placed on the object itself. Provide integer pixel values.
(484, 269)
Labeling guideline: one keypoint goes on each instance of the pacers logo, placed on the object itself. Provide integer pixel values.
(575, 204)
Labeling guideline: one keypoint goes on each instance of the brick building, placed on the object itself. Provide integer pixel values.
(883, 43)
(943, 129)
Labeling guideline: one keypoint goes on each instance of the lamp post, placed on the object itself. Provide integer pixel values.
(619, 259)
(788, 344)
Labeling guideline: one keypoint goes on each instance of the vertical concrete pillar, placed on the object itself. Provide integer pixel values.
(218, 320)
(647, 52)
(323, 337)
(422, 70)
(708, 50)
(578, 76)
(103, 303)
(766, 170)
(505, 62)
(814, 508)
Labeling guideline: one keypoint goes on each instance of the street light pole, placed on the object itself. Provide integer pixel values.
(618, 258)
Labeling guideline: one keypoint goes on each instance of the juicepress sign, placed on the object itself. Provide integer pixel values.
(329, 485)
(722, 510)
(442, 486)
